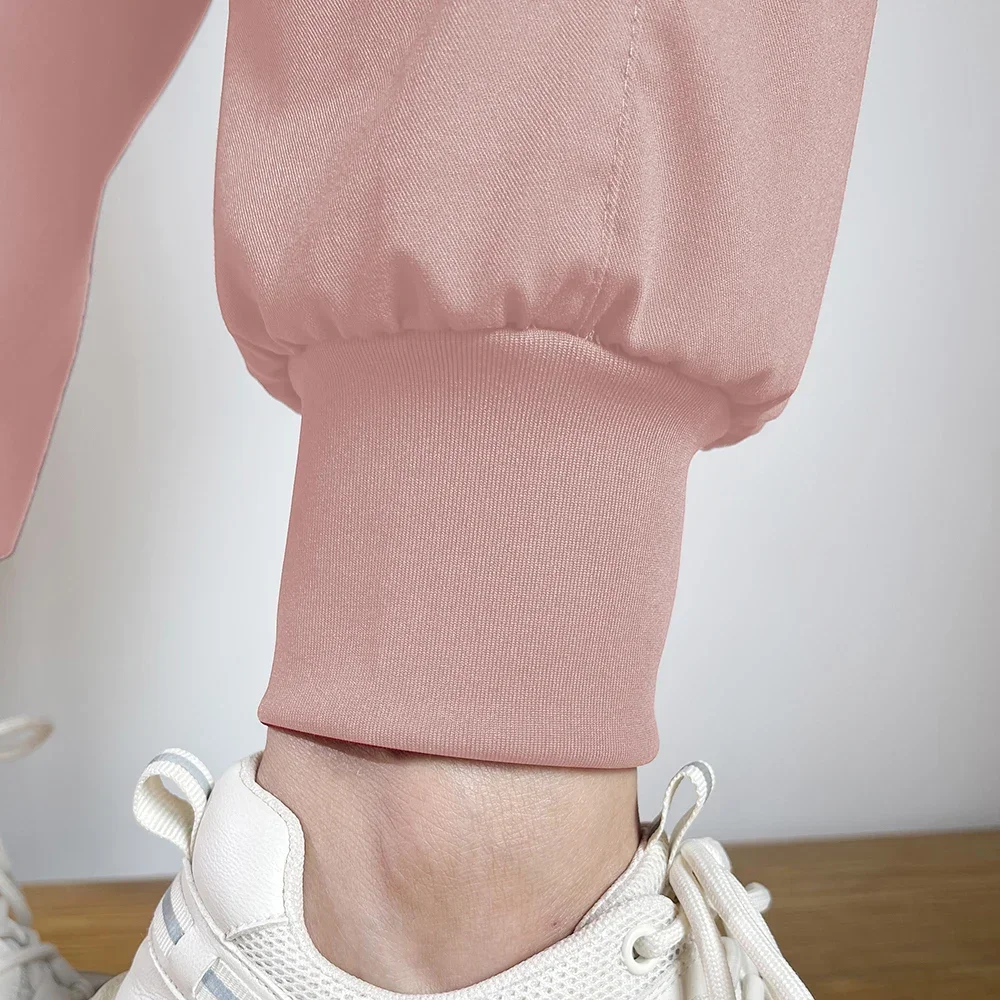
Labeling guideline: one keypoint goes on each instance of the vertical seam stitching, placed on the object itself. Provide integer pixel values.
(612, 197)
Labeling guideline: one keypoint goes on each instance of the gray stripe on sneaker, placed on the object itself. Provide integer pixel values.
(173, 925)
(176, 758)
(217, 987)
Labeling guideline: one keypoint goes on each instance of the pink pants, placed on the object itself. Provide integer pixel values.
(515, 263)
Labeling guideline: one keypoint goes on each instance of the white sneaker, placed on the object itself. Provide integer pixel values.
(230, 927)
(29, 968)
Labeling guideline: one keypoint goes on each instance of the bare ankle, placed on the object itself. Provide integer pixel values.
(426, 874)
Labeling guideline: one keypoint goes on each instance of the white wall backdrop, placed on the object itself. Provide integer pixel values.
(836, 637)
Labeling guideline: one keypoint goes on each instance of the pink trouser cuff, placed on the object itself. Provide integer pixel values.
(483, 545)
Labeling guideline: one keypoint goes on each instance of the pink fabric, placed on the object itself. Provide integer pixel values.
(75, 81)
(643, 186)
(485, 535)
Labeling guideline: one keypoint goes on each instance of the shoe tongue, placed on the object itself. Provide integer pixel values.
(244, 842)
(646, 875)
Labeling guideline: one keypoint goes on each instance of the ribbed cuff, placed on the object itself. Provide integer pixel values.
(483, 545)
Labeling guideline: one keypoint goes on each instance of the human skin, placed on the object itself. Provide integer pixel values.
(425, 874)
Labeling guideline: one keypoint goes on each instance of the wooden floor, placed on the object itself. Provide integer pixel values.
(900, 918)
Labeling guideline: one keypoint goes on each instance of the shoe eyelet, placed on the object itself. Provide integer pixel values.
(637, 964)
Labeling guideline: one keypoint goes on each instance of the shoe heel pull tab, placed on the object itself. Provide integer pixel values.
(702, 779)
(167, 815)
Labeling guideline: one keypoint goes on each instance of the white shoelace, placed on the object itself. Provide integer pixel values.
(18, 737)
(15, 925)
(700, 875)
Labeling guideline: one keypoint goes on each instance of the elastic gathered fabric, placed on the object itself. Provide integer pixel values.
(515, 263)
